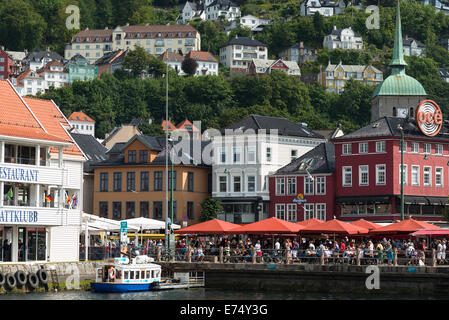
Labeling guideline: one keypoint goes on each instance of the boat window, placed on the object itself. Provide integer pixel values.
(149, 274)
(131, 274)
(137, 275)
(142, 274)
(157, 274)
(126, 275)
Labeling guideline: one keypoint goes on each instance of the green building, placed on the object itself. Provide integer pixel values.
(80, 69)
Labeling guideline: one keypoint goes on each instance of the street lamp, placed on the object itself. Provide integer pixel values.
(402, 171)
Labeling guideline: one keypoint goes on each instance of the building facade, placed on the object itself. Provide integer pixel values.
(299, 53)
(225, 9)
(238, 52)
(207, 64)
(40, 182)
(413, 47)
(346, 39)
(155, 39)
(246, 153)
(79, 68)
(260, 67)
(325, 8)
(6, 65)
(133, 184)
(82, 123)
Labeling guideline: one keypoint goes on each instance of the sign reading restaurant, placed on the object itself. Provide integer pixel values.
(18, 174)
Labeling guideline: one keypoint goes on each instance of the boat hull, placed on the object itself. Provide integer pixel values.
(120, 287)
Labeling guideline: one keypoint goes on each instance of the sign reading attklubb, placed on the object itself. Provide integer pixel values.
(18, 174)
(18, 216)
(429, 118)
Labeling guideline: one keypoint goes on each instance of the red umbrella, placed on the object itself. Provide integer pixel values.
(335, 227)
(439, 232)
(214, 226)
(270, 226)
(310, 222)
(404, 226)
(366, 224)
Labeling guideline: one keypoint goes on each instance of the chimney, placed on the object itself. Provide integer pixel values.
(335, 27)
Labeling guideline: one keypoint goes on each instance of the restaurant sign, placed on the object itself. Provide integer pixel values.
(429, 118)
(18, 174)
(299, 199)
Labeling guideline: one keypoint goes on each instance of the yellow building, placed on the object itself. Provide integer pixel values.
(335, 76)
(133, 184)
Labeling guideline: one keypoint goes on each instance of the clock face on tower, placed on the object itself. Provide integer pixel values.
(402, 112)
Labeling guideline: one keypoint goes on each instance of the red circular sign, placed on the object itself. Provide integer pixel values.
(429, 118)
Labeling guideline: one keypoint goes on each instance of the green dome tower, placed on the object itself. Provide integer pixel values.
(399, 94)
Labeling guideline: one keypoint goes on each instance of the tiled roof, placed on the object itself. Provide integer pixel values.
(182, 125)
(201, 56)
(320, 159)
(80, 116)
(171, 57)
(171, 126)
(53, 63)
(351, 68)
(53, 121)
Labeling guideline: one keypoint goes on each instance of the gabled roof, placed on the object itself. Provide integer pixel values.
(171, 126)
(109, 57)
(407, 41)
(80, 116)
(223, 4)
(351, 68)
(18, 119)
(116, 148)
(171, 57)
(283, 126)
(245, 41)
(38, 55)
(320, 159)
(183, 126)
(201, 56)
(53, 63)
(150, 142)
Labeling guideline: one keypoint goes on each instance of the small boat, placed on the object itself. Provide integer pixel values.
(119, 275)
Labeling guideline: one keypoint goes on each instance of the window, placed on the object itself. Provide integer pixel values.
(190, 210)
(439, 149)
(104, 206)
(380, 174)
(143, 155)
(236, 155)
(158, 181)
(320, 212)
(157, 209)
(415, 147)
(104, 181)
(427, 148)
(132, 156)
(308, 211)
(347, 148)
(144, 181)
(117, 181)
(363, 147)
(223, 155)
(293, 154)
(190, 181)
(144, 209)
(130, 181)
(268, 154)
(130, 209)
(237, 183)
(347, 176)
(291, 186)
(415, 175)
(292, 212)
(308, 185)
(280, 211)
(170, 180)
(280, 186)
(404, 146)
(427, 177)
(117, 210)
(405, 174)
(380, 146)
(363, 176)
(251, 154)
(439, 177)
(320, 185)
(251, 183)
(223, 183)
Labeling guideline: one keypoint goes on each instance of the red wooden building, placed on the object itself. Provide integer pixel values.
(6, 65)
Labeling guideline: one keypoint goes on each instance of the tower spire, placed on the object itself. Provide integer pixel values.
(398, 63)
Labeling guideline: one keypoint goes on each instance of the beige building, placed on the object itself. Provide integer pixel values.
(336, 75)
(120, 134)
(155, 39)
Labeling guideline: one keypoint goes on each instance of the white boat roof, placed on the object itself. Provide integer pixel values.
(136, 266)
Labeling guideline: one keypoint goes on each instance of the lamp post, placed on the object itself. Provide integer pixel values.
(402, 171)
(167, 232)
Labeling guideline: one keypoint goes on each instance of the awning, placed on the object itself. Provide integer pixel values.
(363, 199)
(442, 232)
(437, 201)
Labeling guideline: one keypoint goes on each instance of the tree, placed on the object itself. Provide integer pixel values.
(137, 61)
(189, 66)
(209, 209)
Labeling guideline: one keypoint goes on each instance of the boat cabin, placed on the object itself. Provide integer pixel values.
(130, 273)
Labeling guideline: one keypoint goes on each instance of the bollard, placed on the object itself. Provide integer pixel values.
(189, 254)
(395, 257)
(221, 254)
(358, 257)
(322, 256)
(254, 254)
(434, 258)
(158, 257)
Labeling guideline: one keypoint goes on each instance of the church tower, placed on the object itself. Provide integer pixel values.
(399, 94)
